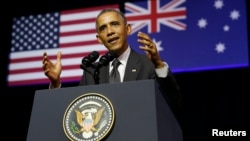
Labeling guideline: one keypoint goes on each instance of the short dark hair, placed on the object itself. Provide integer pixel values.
(111, 10)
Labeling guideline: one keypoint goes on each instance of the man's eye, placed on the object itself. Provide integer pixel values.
(115, 23)
(101, 28)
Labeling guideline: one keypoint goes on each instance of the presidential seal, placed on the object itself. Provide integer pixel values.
(90, 117)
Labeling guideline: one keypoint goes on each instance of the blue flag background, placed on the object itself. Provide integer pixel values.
(207, 34)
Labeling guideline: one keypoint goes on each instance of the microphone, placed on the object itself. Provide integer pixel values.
(88, 60)
(105, 59)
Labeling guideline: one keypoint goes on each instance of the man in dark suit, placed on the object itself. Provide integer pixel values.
(112, 31)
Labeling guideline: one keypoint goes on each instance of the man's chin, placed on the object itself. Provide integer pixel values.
(114, 48)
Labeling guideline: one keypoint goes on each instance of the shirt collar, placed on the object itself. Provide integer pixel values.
(123, 58)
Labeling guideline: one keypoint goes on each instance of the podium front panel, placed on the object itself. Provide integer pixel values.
(140, 115)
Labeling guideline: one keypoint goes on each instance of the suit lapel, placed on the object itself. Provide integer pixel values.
(132, 68)
(131, 72)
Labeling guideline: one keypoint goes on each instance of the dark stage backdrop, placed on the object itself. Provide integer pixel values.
(216, 97)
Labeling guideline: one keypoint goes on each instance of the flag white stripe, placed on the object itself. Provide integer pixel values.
(77, 27)
(132, 7)
(38, 64)
(51, 52)
(78, 38)
(41, 75)
(79, 16)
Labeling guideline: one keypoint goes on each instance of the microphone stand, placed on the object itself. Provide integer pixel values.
(96, 73)
(104, 60)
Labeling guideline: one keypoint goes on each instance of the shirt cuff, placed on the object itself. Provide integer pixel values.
(162, 72)
(50, 87)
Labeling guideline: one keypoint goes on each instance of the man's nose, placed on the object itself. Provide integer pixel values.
(110, 30)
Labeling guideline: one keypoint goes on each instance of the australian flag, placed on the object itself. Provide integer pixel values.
(192, 34)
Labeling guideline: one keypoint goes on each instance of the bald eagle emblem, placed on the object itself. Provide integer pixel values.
(90, 117)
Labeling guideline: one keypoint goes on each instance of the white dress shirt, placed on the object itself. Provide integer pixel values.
(162, 72)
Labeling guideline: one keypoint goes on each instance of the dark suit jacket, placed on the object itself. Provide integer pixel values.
(139, 67)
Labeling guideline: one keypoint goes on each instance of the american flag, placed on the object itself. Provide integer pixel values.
(72, 31)
(193, 35)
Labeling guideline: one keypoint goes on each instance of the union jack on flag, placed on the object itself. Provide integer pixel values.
(193, 35)
(153, 14)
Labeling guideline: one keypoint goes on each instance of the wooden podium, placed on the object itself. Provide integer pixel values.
(141, 112)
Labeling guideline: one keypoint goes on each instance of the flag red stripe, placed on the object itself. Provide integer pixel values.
(79, 32)
(159, 15)
(177, 23)
(29, 82)
(89, 42)
(153, 16)
(172, 3)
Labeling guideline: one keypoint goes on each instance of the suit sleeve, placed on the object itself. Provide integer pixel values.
(172, 94)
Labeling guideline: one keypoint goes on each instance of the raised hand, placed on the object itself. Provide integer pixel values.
(150, 48)
(52, 70)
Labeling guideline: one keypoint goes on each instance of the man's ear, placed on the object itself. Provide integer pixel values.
(129, 29)
(98, 39)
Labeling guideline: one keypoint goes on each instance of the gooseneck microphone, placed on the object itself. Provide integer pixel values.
(103, 61)
(88, 60)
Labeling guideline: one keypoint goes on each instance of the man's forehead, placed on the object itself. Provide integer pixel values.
(109, 17)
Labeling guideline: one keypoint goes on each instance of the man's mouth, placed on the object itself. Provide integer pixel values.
(113, 40)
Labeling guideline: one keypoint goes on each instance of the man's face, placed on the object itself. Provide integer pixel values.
(112, 32)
